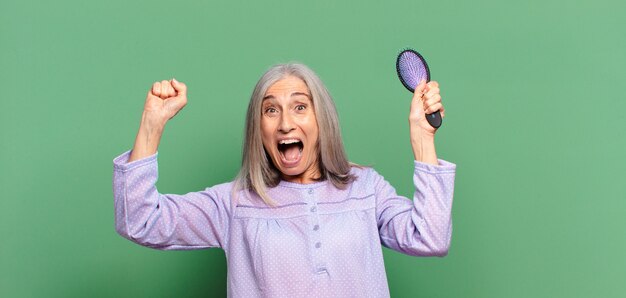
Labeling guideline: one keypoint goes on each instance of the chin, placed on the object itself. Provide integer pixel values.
(292, 172)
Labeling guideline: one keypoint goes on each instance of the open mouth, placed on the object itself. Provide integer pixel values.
(290, 150)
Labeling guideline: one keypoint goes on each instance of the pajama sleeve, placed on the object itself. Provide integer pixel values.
(422, 227)
(166, 221)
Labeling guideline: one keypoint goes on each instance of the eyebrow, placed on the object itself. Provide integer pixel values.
(292, 94)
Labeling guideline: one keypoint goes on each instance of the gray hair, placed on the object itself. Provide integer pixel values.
(257, 171)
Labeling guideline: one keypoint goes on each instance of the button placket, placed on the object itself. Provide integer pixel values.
(316, 241)
(313, 209)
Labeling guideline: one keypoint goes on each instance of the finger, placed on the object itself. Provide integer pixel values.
(165, 89)
(433, 84)
(180, 88)
(156, 89)
(429, 101)
(419, 90)
(433, 108)
(431, 92)
(171, 90)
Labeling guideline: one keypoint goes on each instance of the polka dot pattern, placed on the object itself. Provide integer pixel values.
(318, 242)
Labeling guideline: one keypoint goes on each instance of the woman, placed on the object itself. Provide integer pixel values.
(299, 220)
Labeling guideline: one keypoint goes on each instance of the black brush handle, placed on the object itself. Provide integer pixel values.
(434, 119)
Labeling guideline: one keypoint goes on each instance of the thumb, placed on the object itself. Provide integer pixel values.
(181, 88)
(419, 90)
(178, 102)
(417, 103)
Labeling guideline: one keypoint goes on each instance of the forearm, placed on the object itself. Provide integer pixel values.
(136, 196)
(423, 226)
(432, 200)
(147, 140)
(166, 221)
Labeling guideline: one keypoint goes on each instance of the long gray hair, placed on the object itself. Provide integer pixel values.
(257, 171)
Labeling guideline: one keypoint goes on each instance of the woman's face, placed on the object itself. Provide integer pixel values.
(289, 129)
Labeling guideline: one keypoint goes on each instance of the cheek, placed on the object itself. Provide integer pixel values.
(267, 144)
(313, 130)
(308, 123)
(266, 135)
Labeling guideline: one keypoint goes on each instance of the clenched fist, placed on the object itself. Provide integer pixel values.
(426, 100)
(164, 101)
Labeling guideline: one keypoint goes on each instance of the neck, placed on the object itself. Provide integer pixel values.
(309, 176)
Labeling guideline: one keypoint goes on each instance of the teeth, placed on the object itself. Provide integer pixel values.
(290, 141)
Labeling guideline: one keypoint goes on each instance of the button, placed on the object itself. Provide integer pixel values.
(313, 209)
(310, 191)
(318, 245)
(316, 227)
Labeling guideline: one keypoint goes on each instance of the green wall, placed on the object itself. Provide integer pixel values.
(534, 97)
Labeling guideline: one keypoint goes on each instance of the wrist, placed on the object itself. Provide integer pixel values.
(419, 137)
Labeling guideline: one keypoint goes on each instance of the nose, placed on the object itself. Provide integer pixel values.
(286, 123)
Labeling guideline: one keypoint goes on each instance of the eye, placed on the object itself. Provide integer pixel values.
(300, 107)
(270, 111)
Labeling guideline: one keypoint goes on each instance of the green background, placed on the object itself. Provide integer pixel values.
(534, 98)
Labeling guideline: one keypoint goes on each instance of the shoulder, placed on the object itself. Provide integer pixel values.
(220, 190)
(364, 174)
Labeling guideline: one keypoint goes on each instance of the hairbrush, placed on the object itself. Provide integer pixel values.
(412, 69)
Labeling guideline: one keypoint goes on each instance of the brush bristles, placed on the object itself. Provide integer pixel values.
(412, 69)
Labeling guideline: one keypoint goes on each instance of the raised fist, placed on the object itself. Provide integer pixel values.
(164, 101)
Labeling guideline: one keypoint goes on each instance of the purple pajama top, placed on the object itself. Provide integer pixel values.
(319, 241)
